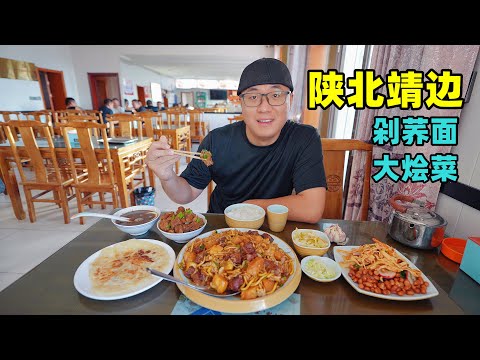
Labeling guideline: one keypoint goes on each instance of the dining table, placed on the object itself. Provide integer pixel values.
(118, 153)
(49, 287)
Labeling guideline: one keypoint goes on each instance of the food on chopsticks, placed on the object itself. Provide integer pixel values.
(308, 238)
(237, 261)
(181, 221)
(378, 268)
(205, 156)
(336, 234)
(121, 269)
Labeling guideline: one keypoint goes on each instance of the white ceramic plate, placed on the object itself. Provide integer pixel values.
(82, 282)
(431, 290)
(234, 304)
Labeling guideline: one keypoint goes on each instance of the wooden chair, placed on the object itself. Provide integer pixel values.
(124, 125)
(334, 162)
(152, 124)
(135, 165)
(97, 179)
(236, 118)
(45, 179)
(198, 127)
(43, 116)
(81, 117)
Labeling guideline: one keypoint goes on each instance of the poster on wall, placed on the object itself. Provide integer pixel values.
(148, 92)
(127, 87)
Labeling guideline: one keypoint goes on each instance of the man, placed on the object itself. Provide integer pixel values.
(106, 109)
(137, 106)
(150, 106)
(71, 104)
(259, 160)
(160, 106)
(117, 107)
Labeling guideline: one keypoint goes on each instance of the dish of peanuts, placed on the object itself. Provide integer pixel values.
(379, 270)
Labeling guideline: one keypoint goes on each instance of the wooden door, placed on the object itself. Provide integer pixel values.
(141, 94)
(52, 87)
(103, 86)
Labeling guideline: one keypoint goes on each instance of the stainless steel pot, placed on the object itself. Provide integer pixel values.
(415, 226)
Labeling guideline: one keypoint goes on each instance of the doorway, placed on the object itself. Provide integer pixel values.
(187, 98)
(141, 94)
(103, 86)
(52, 87)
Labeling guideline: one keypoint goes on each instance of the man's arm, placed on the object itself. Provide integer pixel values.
(306, 206)
(160, 159)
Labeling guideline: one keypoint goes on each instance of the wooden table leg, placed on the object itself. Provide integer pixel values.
(12, 188)
(119, 169)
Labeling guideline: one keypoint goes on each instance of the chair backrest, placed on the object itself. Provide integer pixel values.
(124, 122)
(152, 121)
(89, 156)
(28, 129)
(334, 162)
(236, 118)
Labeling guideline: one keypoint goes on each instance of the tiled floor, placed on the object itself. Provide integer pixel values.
(23, 245)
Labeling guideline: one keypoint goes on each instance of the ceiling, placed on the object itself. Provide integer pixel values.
(212, 62)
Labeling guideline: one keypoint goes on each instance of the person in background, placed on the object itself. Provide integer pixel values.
(137, 106)
(117, 108)
(126, 106)
(150, 106)
(246, 153)
(71, 104)
(160, 106)
(106, 109)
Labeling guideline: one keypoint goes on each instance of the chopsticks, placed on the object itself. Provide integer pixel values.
(190, 154)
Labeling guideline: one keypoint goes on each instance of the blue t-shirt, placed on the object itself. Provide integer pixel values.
(244, 171)
(105, 111)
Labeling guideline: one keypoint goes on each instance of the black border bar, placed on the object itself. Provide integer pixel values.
(465, 194)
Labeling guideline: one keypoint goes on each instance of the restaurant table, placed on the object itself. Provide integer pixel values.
(49, 289)
(117, 152)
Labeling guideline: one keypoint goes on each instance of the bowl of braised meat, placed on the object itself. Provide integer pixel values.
(181, 225)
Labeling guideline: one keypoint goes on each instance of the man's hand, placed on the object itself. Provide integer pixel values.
(160, 159)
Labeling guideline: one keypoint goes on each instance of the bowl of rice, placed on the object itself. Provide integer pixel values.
(310, 242)
(320, 268)
(247, 216)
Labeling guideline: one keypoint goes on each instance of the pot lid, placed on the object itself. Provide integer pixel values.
(422, 216)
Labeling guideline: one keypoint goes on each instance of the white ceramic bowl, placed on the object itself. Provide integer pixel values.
(141, 229)
(329, 263)
(304, 250)
(183, 238)
(254, 223)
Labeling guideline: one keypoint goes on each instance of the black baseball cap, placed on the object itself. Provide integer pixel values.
(265, 71)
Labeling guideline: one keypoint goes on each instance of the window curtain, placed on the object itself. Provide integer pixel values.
(458, 58)
(296, 63)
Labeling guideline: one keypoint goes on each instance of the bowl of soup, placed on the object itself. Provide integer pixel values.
(143, 217)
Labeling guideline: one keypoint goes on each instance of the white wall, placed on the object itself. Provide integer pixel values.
(92, 59)
(463, 220)
(15, 94)
(142, 77)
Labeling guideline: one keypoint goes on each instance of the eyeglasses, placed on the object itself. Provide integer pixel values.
(275, 98)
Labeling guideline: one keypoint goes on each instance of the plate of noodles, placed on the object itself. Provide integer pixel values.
(264, 268)
(377, 269)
